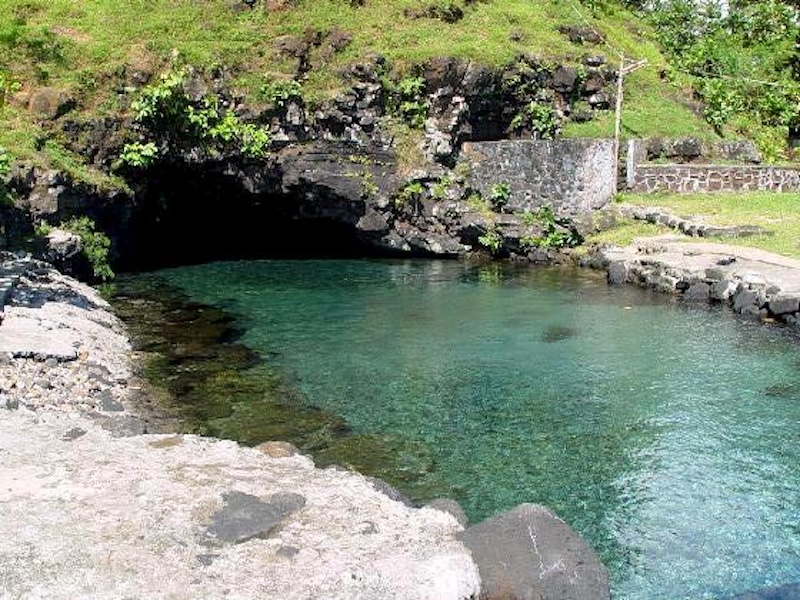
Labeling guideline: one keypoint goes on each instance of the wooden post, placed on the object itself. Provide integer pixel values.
(618, 116)
(623, 70)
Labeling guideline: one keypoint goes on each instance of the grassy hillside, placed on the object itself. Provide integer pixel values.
(82, 47)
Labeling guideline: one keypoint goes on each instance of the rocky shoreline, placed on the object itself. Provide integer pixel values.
(749, 281)
(98, 505)
(95, 505)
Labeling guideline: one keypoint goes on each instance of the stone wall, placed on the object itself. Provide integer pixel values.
(683, 179)
(574, 176)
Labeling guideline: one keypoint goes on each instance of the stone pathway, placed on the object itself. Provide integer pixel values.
(751, 281)
(691, 226)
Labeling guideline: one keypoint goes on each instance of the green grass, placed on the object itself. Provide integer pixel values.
(625, 232)
(89, 41)
(84, 47)
(778, 213)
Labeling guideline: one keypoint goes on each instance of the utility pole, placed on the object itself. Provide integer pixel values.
(623, 70)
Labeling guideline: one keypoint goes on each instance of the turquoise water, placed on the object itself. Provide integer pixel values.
(667, 435)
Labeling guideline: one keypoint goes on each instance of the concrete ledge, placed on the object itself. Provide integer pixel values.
(751, 281)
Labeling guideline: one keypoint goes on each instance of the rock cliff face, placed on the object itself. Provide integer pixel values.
(379, 168)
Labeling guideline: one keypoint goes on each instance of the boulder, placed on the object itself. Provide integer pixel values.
(784, 305)
(530, 553)
(245, 516)
(50, 103)
(746, 301)
(697, 292)
(564, 79)
(617, 273)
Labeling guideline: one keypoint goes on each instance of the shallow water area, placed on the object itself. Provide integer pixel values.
(666, 434)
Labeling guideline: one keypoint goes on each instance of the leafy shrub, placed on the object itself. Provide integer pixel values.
(492, 240)
(499, 195)
(5, 162)
(408, 102)
(556, 233)
(440, 188)
(538, 118)
(95, 244)
(722, 102)
(164, 101)
(411, 192)
(166, 108)
(5, 169)
(279, 92)
(742, 63)
(411, 87)
(138, 155)
(254, 140)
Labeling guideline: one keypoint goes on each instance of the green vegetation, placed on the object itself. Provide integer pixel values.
(538, 118)
(138, 155)
(492, 240)
(407, 100)
(778, 213)
(625, 232)
(556, 233)
(92, 49)
(279, 92)
(7, 87)
(95, 245)
(164, 108)
(499, 195)
(441, 187)
(5, 162)
(743, 65)
(5, 169)
(410, 193)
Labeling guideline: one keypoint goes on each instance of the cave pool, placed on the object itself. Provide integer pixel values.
(667, 434)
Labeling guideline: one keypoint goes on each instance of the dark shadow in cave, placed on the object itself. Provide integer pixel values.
(191, 216)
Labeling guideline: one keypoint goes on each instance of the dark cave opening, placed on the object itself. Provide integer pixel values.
(192, 216)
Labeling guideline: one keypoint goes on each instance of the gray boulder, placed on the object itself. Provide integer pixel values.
(50, 103)
(617, 273)
(529, 553)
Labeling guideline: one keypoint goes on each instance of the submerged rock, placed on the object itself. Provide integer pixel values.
(558, 333)
(790, 591)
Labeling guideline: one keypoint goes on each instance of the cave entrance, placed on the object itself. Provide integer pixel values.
(190, 218)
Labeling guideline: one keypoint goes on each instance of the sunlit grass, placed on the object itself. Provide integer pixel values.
(778, 213)
(85, 47)
(625, 232)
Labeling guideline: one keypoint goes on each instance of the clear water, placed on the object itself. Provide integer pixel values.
(669, 436)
